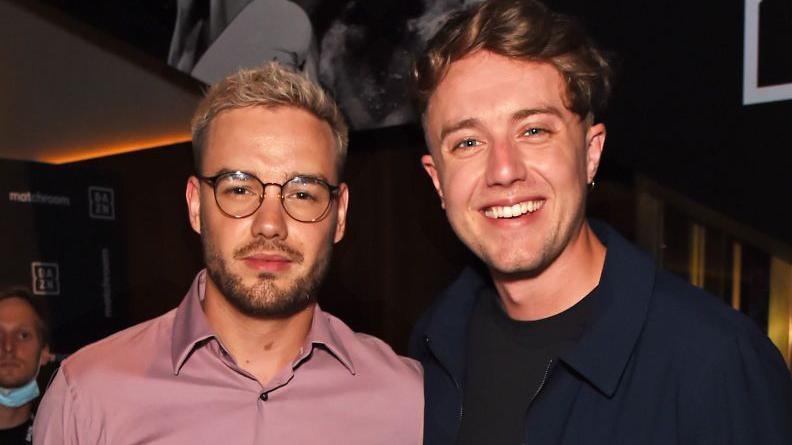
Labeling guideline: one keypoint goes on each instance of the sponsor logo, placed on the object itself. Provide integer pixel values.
(101, 203)
(46, 278)
(107, 289)
(39, 198)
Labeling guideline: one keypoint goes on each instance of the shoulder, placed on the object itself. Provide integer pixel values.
(707, 334)
(696, 315)
(680, 318)
(131, 348)
(369, 354)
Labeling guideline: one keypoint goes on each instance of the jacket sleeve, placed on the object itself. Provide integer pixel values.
(55, 421)
(743, 395)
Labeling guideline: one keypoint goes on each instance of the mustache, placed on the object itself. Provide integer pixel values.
(262, 244)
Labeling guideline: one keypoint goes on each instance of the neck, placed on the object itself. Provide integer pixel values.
(11, 417)
(260, 346)
(566, 281)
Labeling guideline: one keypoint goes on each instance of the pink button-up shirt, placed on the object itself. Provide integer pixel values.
(170, 381)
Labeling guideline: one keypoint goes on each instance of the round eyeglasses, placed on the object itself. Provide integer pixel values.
(304, 198)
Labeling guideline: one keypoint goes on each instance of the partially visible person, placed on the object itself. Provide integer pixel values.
(248, 357)
(24, 340)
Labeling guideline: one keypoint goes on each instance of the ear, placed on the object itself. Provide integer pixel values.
(45, 356)
(431, 169)
(341, 211)
(595, 142)
(193, 196)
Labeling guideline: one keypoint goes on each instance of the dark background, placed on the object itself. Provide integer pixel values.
(677, 112)
(676, 116)
(70, 238)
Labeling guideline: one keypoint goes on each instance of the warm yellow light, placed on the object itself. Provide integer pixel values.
(91, 153)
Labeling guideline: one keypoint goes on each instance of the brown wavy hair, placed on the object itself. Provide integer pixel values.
(524, 30)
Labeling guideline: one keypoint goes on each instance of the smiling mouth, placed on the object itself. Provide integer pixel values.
(513, 211)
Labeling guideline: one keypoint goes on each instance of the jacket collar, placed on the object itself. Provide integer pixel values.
(191, 328)
(624, 292)
(446, 333)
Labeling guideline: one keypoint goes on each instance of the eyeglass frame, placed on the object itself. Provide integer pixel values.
(212, 182)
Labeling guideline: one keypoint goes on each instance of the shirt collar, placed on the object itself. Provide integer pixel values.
(624, 293)
(190, 327)
(323, 333)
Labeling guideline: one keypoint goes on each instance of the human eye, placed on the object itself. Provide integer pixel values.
(466, 144)
(24, 335)
(302, 189)
(237, 190)
(301, 195)
(535, 134)
(535, 131)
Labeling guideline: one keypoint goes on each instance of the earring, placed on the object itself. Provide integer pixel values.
(592, 185)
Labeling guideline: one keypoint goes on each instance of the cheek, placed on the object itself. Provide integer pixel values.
(225, 234)
(458, 182)
(566, 169)
(312, 240)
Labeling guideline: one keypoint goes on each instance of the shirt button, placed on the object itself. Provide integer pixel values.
(263, 397)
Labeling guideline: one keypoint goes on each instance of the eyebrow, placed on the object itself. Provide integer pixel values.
(522, 114)
(461, 125)
(289, 176)
(319, 176)
(516, 116)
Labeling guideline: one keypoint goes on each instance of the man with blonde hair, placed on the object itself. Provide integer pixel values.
(248, 357)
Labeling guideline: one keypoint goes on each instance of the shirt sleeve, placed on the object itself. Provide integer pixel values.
(55, 421)
(742, 396)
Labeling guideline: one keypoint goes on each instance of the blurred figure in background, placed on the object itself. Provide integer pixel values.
(24, 348)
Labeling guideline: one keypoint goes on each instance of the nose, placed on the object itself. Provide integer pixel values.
(269, 220)
(8, 344)
(504, 164)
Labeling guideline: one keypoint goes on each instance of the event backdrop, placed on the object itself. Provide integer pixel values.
(60, 238)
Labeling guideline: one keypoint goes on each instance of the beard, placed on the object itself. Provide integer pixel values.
(265, 299)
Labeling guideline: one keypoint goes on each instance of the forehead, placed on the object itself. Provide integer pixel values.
(16, 312)
(271, 142)
(484, 83)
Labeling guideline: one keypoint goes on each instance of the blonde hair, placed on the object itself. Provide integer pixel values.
(271, 85)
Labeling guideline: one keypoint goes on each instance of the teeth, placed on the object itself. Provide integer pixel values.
(497, 212)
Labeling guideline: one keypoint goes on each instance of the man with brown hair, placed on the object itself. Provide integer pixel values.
(575, 336)
(248, 357)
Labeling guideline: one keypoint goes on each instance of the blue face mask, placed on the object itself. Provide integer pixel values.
(16, 397)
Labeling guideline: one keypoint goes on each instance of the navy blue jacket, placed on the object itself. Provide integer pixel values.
(664, 363)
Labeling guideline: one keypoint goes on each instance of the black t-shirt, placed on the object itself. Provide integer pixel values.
(18, 435)
(506, 364)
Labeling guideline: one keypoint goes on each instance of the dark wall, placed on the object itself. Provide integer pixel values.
(677, 112)
(163, 253)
